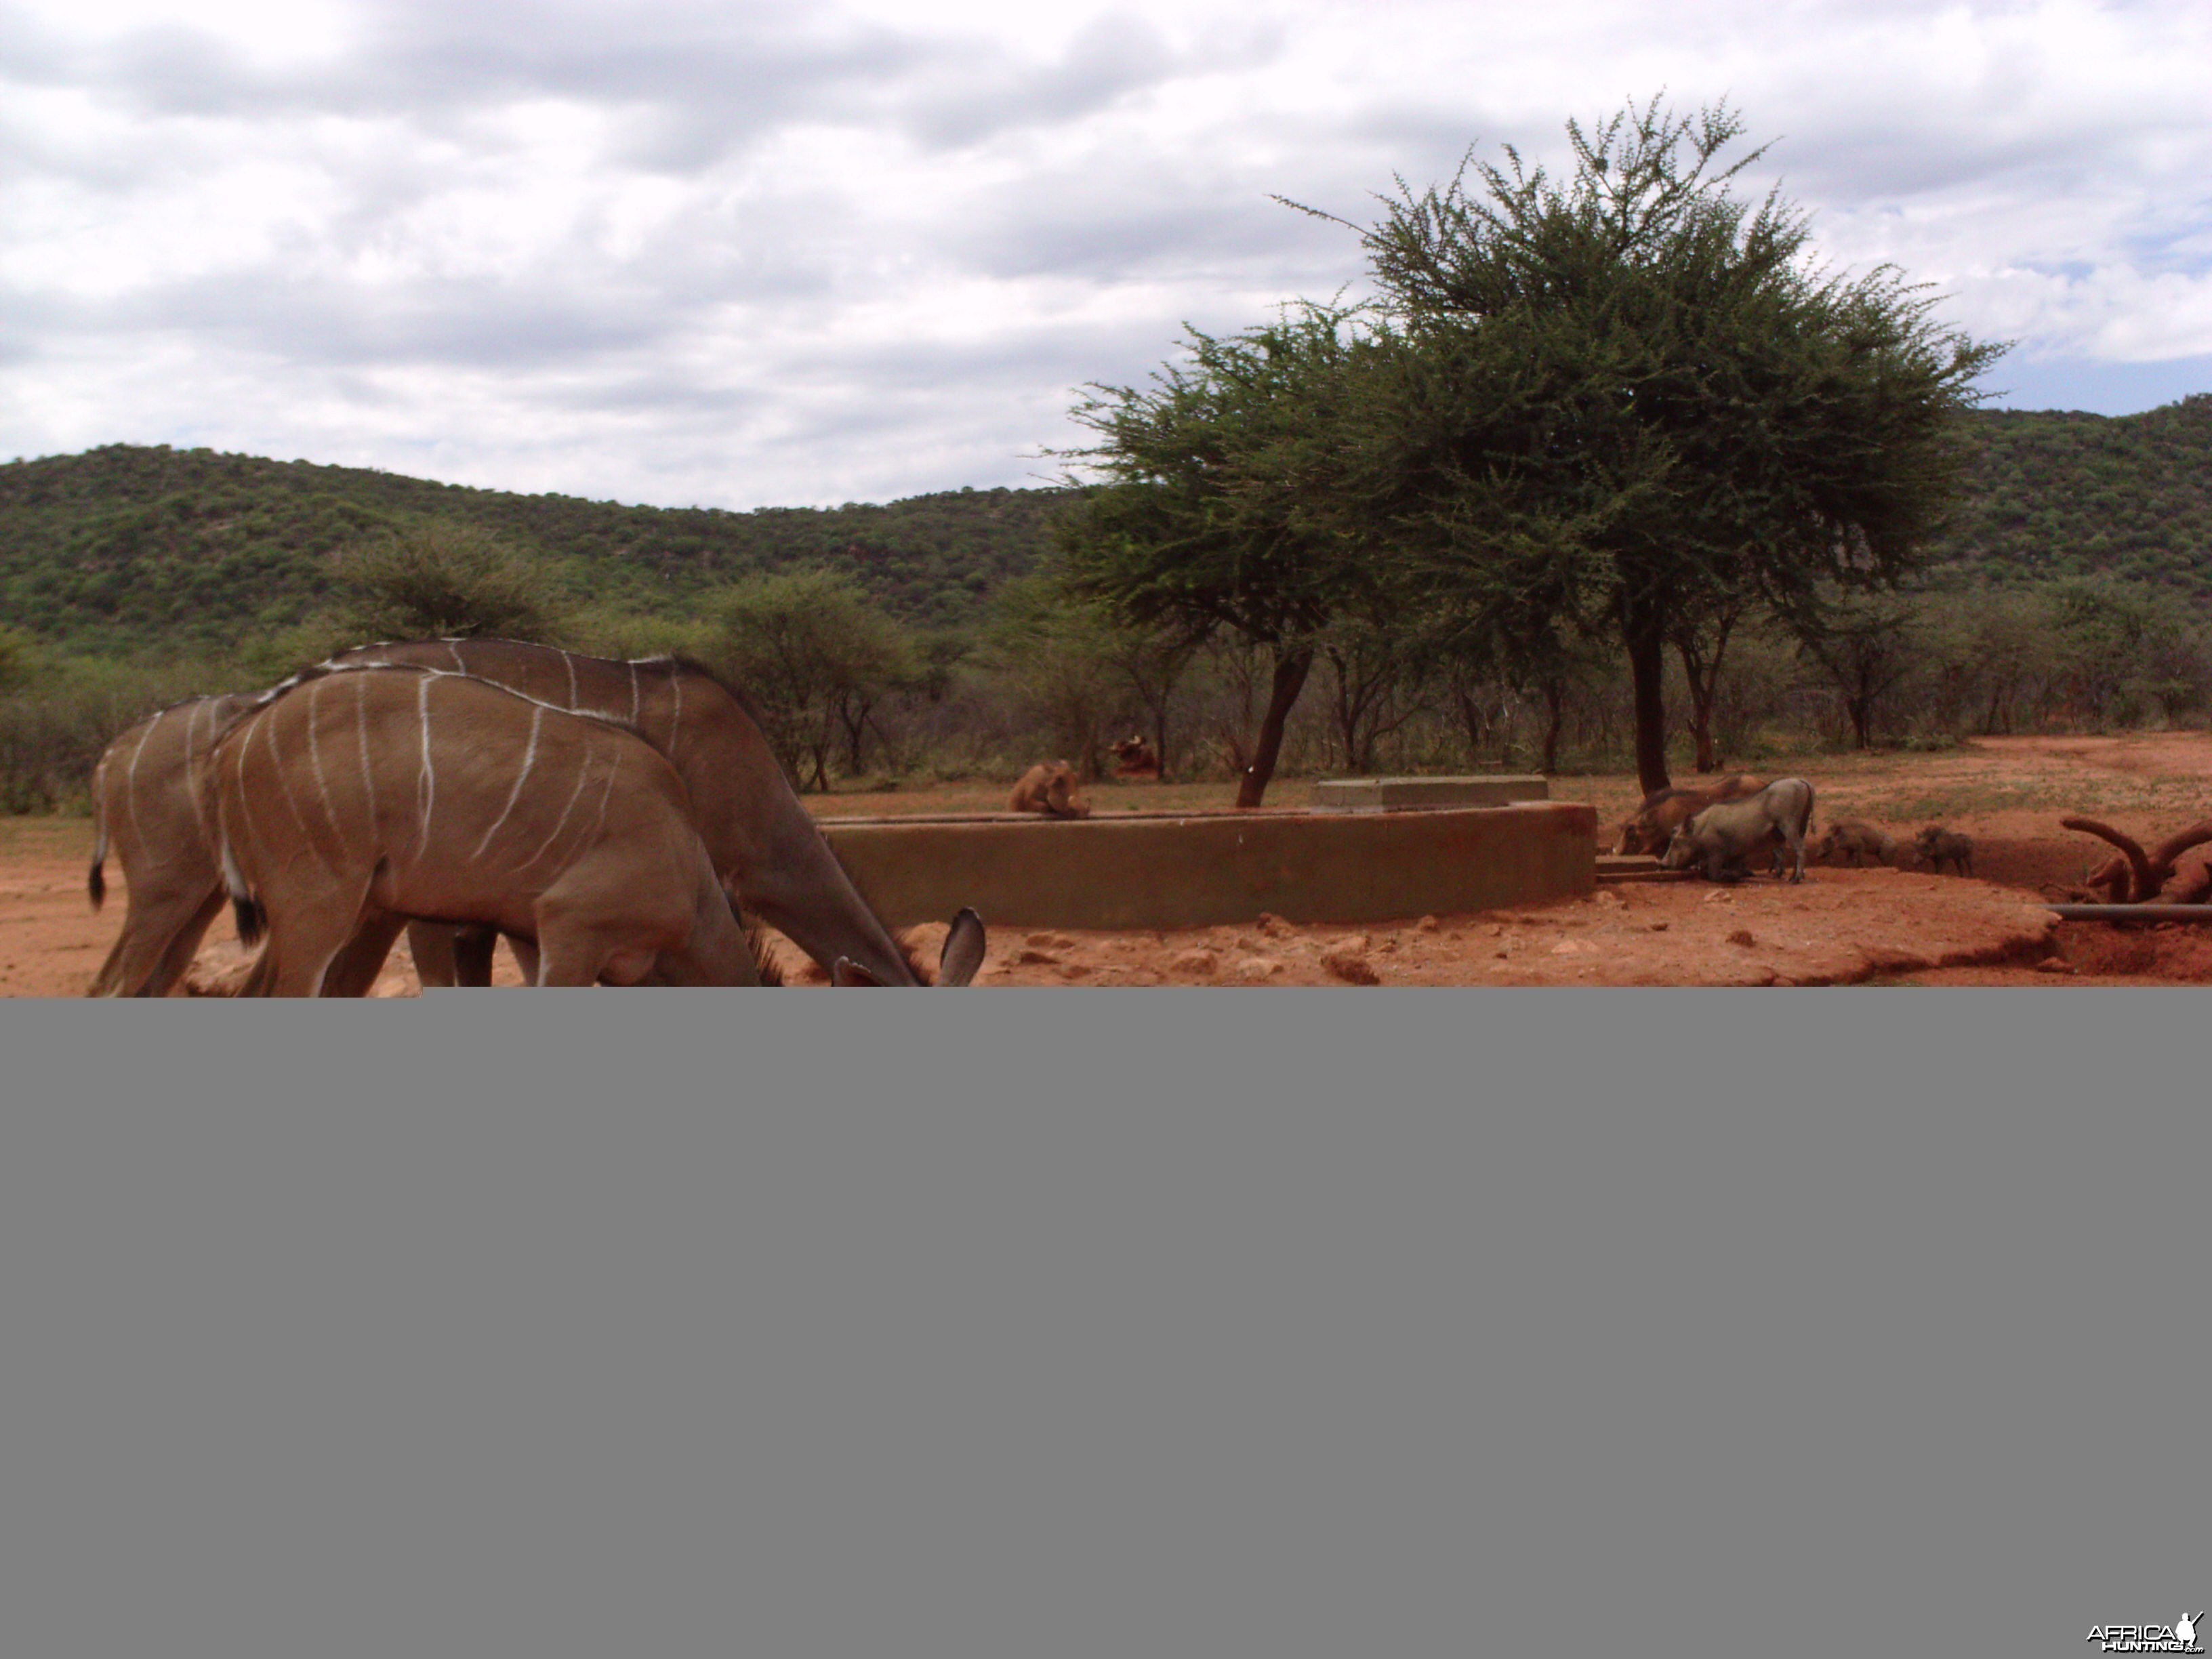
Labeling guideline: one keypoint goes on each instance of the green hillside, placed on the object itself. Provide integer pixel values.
(2056, 494)
(123, 548)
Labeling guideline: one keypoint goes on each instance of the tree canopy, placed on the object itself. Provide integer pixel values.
(1225, 502)
(1629, 392)
(816, 657)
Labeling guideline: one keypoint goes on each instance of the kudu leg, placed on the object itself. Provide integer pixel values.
(446, 954)
(159, 933)
(472, 949)
(353, 971)
(184, 944)
(435, 946)
(319, 940)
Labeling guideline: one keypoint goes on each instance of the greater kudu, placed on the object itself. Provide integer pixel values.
(760, 837)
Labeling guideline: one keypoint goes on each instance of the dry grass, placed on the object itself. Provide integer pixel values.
(55, 835)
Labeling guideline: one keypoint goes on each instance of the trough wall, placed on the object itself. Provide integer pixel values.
(1164, 871)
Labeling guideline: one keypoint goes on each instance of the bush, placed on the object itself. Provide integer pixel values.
(56, 722)
(439, 580)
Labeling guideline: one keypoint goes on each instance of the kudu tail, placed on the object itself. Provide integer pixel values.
(244, 907)
(95, 881)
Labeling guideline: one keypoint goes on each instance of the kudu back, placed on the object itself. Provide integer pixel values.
(357, 799)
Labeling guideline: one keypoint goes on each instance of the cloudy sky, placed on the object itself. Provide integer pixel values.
(741, 254)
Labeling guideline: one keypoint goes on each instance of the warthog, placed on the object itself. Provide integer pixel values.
(1856, 843)
(1722, 836)
(1666, 811)
(1135, 758)
(1939, 847)
(1050, 787)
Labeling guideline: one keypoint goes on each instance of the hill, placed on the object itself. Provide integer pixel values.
(2052, 494)
(124, 548)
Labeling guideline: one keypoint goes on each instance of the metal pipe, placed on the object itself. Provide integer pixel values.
(2132, 912)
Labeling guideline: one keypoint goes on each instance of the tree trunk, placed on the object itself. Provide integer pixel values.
(1473, 718)
(1701, 734)
(1702, 673)
(1555, 711)
(1290, 679)
(854, 717)
(1643, 625)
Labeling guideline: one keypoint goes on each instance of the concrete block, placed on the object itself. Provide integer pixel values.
(1386, 794)
(1201, 870)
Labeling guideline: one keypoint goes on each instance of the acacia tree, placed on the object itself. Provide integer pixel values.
(815, 655)
(1223, 501)
(1865, 650)
(1630, 392)
(1378, 677)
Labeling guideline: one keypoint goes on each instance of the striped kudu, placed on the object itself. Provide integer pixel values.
(761, 838)
(145, 806)
(354, 800)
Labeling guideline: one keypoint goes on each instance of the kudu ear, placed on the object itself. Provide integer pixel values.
(964, 949)
(846, 971)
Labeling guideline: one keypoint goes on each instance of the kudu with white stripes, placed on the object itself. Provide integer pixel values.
(356, 799)
(761, 838)
(146, 808)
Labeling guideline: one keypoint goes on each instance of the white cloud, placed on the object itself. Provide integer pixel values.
(742, 254)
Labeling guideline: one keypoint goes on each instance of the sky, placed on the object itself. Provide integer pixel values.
(742, 255)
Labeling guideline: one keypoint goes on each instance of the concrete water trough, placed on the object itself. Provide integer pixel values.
(1166, 870)
(1395, 794)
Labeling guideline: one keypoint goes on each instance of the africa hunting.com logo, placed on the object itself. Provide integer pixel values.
(2179, 1637)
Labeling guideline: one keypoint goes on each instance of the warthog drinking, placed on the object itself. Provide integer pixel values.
(1666, 811)
(1856, 843)
(1722, 837)
(1050, 787)
(1939, 847)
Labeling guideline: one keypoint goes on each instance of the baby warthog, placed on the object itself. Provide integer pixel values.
(1856, 843)
(1938, 847)
(1050, 787)
(1666, 811)
(1722, 837)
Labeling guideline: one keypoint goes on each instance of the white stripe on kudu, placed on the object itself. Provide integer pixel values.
(529, 760)
(284, 782)
(569, 663)
(131, 777)
(583, 771)
(600, 825)
(426, 781)
(315, 755)
(360, 727)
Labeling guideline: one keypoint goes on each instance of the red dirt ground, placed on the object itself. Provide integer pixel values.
(1842, 926)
